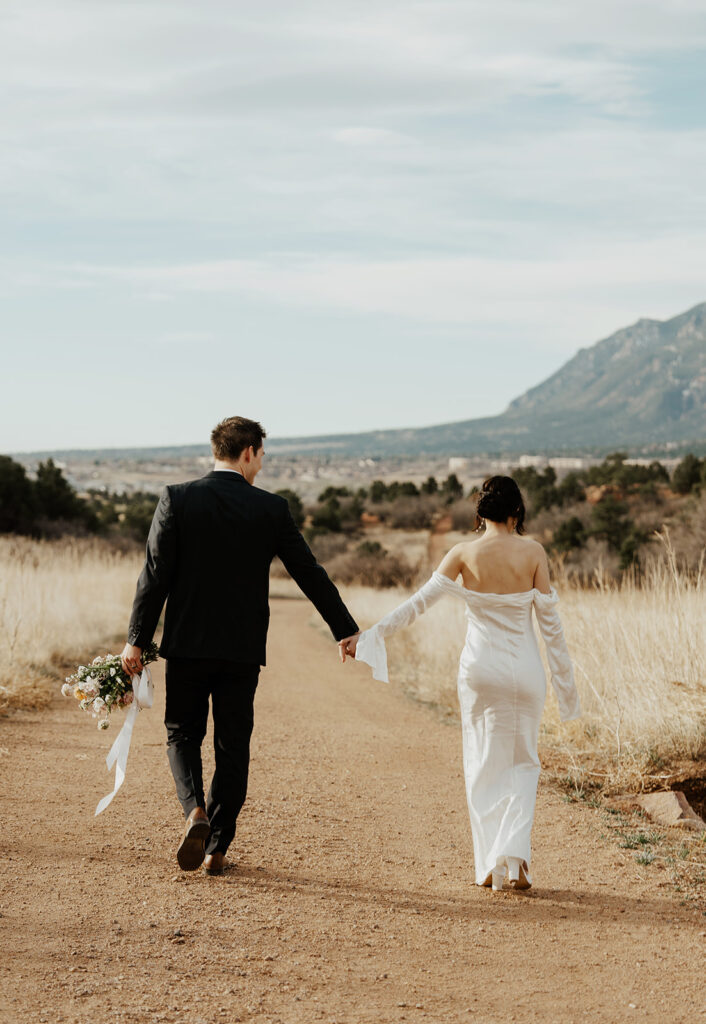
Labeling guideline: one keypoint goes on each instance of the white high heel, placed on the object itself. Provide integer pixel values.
(517, 874)
(498, 876)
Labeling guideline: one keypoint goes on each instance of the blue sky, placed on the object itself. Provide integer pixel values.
(333, 216)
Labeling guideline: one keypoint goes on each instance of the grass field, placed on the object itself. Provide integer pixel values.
(639, 650)
(58, 601)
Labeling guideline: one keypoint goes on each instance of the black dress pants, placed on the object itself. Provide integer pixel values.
(231, 686)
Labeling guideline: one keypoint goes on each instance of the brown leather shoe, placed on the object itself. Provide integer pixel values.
(191, 852)
(215, 863)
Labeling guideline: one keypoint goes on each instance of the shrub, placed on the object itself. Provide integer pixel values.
(687, 474)
(138, 514)
(296, 506)
(411, 513)
(463, 515)
(18, 505)
(56, 498)
(452, 488)
(328, 516)
(334, 492)
(609, 521)
(569, 535)
(372, 569)
(327, 545)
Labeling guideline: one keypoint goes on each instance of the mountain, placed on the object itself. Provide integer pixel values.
(643, 386)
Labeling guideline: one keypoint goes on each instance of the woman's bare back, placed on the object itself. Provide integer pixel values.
(499, 564)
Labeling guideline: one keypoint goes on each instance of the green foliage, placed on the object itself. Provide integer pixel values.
(296, 506)
(539, 487)
(609, 521)
(689, 474)
(370, 547)
(452, 488)
(18, 504)
(138, 514)
(55, 497)
(629, 549)
(614, 471)
(430, 486)
(569, 535)
(27, 506)
(378, 491)
(571, 489)
(328, 516)
(335, 492)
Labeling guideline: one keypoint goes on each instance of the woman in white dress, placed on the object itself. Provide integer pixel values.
(501, 679)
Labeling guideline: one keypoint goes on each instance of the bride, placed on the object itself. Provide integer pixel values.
(501, 680)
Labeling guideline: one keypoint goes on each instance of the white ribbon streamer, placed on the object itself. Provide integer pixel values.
(143, 691)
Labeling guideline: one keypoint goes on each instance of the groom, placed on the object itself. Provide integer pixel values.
(208, 555)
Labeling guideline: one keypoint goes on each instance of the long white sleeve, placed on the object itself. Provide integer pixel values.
(562, 672)
(371, 642)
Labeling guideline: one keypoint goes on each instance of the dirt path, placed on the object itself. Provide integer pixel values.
(351, 898)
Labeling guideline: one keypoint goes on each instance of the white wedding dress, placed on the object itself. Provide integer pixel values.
(501, 690)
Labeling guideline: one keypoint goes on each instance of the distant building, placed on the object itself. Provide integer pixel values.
(567, 462)
(537, 461)
(458, 464)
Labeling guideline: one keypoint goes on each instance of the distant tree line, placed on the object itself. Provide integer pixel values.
(49, 506)
(403, 504)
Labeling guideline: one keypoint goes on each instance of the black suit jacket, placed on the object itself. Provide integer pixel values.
(208, 555)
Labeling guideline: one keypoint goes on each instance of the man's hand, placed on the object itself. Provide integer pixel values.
(348, 646)
(131, 658)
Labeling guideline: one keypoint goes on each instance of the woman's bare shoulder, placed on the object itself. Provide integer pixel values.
(531, 542)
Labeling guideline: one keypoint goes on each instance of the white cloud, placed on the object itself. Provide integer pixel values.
(362, 136)
(572, 301)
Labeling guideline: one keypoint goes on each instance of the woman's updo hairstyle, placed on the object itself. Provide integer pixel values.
(499, 499)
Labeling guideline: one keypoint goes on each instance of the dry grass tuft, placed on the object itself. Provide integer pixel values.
(59, 600)
(639, 652)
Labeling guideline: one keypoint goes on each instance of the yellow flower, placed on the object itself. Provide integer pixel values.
(79, 695)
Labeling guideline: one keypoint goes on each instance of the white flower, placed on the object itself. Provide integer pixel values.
(86, 703)
(90, 688)
(67, 689)
(98, 704)
(112, 671)
(97, 661)
(103, 724)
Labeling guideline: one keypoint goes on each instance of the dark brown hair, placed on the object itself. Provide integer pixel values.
(500, 498)
(232, 436)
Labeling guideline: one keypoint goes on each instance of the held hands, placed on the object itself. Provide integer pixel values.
(348, 646)
(131, 658)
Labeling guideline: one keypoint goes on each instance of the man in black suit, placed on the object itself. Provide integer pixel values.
(208, 555)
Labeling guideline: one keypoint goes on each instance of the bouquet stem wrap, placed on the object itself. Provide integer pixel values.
(144, 697)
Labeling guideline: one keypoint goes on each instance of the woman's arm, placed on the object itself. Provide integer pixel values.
(370, 644)
(452, 563)
(541, 571)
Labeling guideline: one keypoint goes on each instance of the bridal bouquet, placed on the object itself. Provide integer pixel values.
(103, 685)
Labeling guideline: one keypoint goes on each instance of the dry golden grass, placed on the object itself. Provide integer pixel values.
(639, 650)
(639, 653)
(59, 600)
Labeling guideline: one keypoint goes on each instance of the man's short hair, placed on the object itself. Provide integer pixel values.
(232, 436)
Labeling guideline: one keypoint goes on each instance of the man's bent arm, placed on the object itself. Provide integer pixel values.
(313, 580)
(156, 576)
